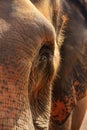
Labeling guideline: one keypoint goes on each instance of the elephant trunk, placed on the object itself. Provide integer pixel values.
(15, 111)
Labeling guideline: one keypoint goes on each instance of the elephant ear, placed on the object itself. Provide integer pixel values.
(71, 85)
(80, 78)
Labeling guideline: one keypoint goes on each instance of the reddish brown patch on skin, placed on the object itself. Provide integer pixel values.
(14, 104)
(80, 91)
(61, 109)
(58, 110)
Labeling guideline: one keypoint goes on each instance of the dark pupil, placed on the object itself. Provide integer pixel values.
(45, 53)
(43, 58)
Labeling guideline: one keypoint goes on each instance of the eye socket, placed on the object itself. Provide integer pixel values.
(45, 53)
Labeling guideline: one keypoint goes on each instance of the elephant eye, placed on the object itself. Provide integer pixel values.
(45, 53)
(43, 58)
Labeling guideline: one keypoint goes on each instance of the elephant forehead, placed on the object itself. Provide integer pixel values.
(18, 42)
(27, 25)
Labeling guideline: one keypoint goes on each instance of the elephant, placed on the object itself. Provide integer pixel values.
(69, 100)
(28, 65)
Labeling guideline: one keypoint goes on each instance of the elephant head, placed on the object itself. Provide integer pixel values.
(27, 66)
(69, 19)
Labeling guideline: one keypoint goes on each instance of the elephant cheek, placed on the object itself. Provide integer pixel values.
(14, 105)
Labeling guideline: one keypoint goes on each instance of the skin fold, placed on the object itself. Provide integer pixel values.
(69, 19)
(27, 66)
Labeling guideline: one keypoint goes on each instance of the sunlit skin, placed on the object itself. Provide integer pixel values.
(27, 66)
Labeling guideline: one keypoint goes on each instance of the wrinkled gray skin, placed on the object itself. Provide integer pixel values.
(27, 66)
(69, 18)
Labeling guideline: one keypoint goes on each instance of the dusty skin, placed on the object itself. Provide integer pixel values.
(29, 60)
(27, 66)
